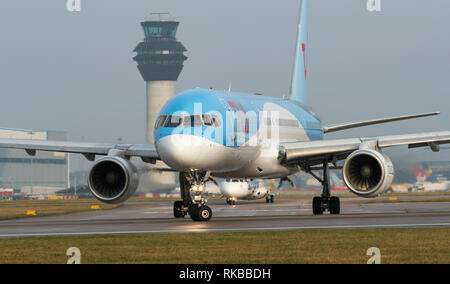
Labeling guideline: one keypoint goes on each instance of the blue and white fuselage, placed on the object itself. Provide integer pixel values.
(231, 134)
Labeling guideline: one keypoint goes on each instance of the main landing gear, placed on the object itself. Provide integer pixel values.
(325, 202)
(270, 198)
(288, 179)
(192, 187)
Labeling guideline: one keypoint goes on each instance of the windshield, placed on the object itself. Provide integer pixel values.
(173, 121)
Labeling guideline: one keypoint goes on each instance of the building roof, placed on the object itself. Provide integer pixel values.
(16, 133)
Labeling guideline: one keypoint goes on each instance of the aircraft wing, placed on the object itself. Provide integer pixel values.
(345, 126)
(315, 152)
(145, 151)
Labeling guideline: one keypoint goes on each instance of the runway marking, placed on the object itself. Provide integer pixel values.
(226, 230)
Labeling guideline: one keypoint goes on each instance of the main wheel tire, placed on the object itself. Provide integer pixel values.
(272, 199)
(178, 209)
(335, 206)
(204, 213)
(317, 206)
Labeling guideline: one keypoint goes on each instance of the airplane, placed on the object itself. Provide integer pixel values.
(202, 133)
(423, 182)
(241, 189)
(421, 176)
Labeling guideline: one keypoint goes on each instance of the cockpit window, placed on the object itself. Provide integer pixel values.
(208, 119)
(216, 121)
(173, 121)
(192, 121)
(160, 121)
(169, 121)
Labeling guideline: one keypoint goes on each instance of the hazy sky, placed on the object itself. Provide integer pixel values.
(74, 71)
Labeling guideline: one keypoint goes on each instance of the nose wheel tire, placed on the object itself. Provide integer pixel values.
(200, 214)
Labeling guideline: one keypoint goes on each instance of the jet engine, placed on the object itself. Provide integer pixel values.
(368, 173)
(113, 179)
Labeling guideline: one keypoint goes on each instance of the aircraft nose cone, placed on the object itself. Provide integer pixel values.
(180, 152)
(189, 152)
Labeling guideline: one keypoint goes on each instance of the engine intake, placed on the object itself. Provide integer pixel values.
(113, 179)
(368, 173)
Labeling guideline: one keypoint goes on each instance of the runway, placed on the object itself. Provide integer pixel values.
(285, 214)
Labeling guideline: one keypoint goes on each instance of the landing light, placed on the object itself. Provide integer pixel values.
(198, 188)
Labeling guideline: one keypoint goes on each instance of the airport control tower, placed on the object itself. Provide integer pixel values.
(160, 60)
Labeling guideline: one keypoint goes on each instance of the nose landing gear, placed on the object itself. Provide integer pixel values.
(200, 213)
(231, 201)
(178, 209)
(192, 187)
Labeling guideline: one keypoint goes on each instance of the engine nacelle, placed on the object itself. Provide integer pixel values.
(113, 179)
(368, 173)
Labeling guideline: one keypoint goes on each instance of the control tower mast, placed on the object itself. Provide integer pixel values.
(160, 60)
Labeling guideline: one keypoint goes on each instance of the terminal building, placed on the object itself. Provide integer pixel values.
(39, 175)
